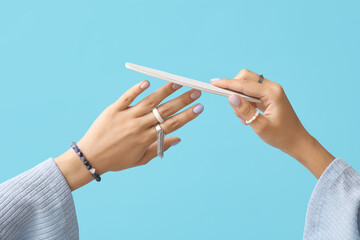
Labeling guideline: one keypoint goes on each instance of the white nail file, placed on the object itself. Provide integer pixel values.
(202, 86)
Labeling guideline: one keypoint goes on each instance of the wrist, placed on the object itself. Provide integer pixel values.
(311, 154)
(73, 170)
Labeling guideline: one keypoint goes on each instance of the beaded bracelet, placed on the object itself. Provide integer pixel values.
(85, 162)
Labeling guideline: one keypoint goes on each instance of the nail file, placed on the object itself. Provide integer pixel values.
(202, 86)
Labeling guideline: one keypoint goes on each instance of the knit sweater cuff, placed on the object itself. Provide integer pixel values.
(38, 204)
(333, 206)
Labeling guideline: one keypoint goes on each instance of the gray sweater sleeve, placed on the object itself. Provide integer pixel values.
(38, 204)
(334, 204)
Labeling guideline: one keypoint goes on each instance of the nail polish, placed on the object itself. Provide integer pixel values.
(215, 79)
(176, 86)
(242, 121)
(195, 94)
(234, 100)
(198, 109)
(175, 143)
(144, 85)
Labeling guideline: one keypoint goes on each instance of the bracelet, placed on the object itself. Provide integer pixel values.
(85, 162)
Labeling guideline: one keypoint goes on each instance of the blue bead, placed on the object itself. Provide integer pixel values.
(82, 158)
(76, 149)
(88, 167)
(97, 177)
(80, 154)
(86, 162)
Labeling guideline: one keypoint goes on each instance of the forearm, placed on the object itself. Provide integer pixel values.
(310, 153)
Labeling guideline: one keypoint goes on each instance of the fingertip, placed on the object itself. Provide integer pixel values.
(144, 84)
(195, 94)
(215, 80)
(242, 121)
(175, 143)
(235, 100)
(176, 86)
(198, 108)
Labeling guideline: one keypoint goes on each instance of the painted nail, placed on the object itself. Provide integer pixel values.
(175, 143)
(176, 86)
(215, 79)
(195, 94)
(242, 121)
(198, 109)
(144, 85)
(234, 100)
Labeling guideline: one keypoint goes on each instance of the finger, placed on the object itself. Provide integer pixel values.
(245, 86)
(171, 107)
(129, 96)
(245, 111)
(246, 74)
(155, 98)
(151, 152)
(175, 122)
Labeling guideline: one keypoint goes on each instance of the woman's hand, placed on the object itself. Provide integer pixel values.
(124, 136)
(278, 125)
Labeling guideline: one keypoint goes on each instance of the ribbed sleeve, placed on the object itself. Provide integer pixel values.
(334, 204)
(38, 204)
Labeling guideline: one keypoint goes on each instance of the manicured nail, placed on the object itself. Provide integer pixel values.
(176, 86)
(175, 143)
(198, 109)
(242, 120)
(215, 79)
(144, 85)
(195, 94)
(234, 100)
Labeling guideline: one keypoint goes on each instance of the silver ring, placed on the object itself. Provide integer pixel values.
(160, 140)
(157, 115)
(261, 78)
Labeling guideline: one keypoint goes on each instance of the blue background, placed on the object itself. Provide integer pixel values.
(62, 63)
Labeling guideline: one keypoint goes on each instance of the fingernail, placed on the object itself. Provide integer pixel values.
(234, 100)
(176, 86)
(215, 79)
(198, 109)
(195, 94)
(144, 85)
(243, 121)
(175, 143)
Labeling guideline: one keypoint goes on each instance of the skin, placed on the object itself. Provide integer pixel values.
(124, 136)
(278, 125)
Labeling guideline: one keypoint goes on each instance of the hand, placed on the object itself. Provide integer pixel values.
(278, 125)
(124, 136)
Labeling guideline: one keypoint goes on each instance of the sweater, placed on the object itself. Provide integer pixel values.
(38, 204)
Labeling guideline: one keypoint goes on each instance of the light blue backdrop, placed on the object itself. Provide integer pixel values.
(62, 63)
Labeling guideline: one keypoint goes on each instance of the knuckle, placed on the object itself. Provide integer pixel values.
(164, 112)
(244, 73)
(278, 91)
(150, 102)
(174, 124)
(245, 111)
(127, 99)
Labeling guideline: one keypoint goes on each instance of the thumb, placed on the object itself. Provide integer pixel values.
(151, 152)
